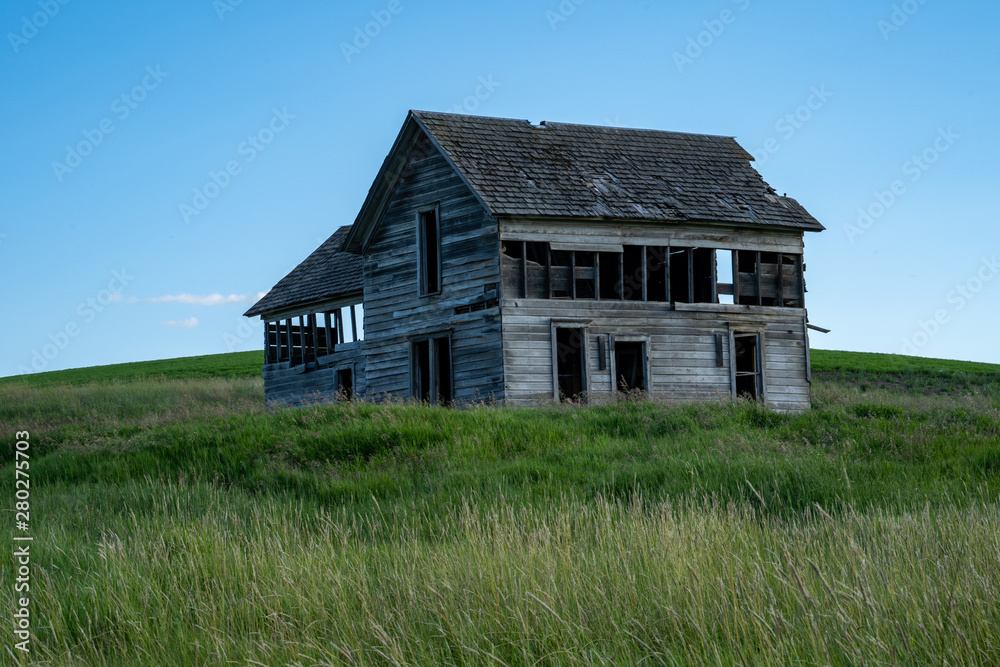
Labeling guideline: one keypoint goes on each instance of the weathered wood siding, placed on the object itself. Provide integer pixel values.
(681, 342)
(470, 274)
(301, 385)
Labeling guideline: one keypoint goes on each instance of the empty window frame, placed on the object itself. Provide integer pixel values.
(429, 251)
(609, 275)
(692, 275)
(724, 276)
(569, 362)
(431, 377)
(747, 366)
(630, 366)
(763, 278)
(525, 268)
(639, 273)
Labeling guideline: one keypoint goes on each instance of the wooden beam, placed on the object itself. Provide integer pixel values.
(757, 277)
(689, 253)
(736, 276)
(597, 276)
(781, 280)
(666, 269)
(354, 322)
(267, 342)
(714, 277)
(330, 346)
(524, 269)
(572, 274)
(643, 266)
(291, 345)
(548, 268)
(621, 277)
(313, 351)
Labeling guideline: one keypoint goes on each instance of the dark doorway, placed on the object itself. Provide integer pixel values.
(345, 383)
(422, 371)
(442, 350)
(431, 371)
(746, 355)
(570, 363)
(630, 366)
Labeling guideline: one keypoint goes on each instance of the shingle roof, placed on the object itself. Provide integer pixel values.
(327, 273)
(560, 169)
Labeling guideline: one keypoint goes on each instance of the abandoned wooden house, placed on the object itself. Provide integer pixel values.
(497, 259)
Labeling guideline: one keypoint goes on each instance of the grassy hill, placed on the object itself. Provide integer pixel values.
(178, 518)
(235, 364)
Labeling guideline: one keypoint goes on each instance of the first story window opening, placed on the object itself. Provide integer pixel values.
(431, 370)
(630, 366)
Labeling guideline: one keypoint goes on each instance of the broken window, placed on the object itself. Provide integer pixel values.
(525, 269)
(513, 270)
(536, 269)
(560, 274)
(656, 273)
(609, 275)
(747, 362)
(660, 274)
(584, 275)
(724, 276)
(633, 273)
(429, 251)
(768, 279)
(630, 366)
(680, 284)
(570, 363)
(431, 370)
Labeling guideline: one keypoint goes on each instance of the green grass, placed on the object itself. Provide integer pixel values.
(179, 521)
(236, 364)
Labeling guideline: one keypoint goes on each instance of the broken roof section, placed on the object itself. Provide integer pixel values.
(589, 172)
(326, 274)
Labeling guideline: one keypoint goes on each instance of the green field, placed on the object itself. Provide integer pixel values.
(176, 520)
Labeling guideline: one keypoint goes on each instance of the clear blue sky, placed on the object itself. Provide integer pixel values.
(200, 78)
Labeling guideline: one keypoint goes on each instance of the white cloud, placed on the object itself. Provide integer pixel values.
(189, 322)
(199, 299)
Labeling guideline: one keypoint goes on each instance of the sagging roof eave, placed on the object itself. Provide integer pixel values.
(387, 181)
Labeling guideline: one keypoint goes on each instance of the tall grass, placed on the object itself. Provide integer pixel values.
(179, 521)
(201, 575)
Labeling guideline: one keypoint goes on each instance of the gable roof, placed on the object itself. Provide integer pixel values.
(327, 273)
(589, 172)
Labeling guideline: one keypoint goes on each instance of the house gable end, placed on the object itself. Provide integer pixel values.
(412, 142)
